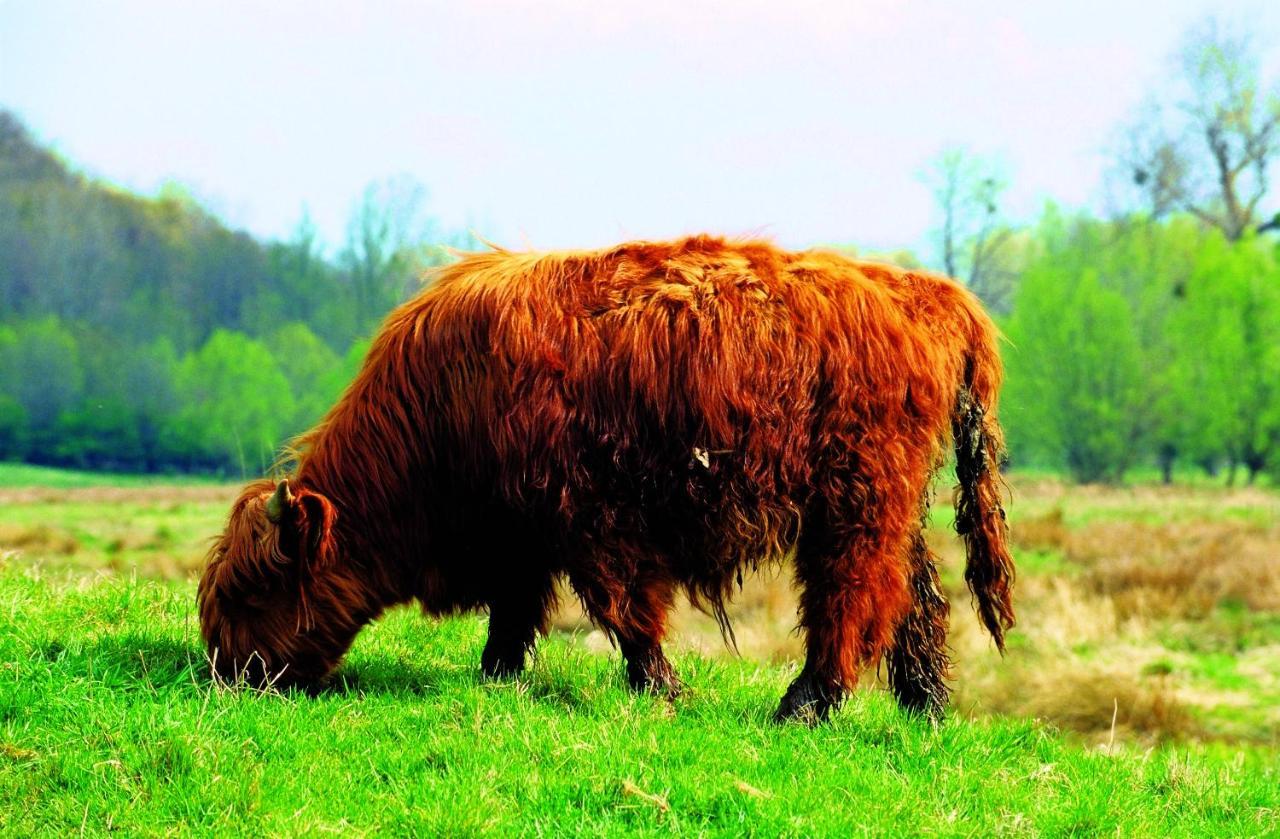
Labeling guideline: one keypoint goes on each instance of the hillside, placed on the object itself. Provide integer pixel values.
(142, 334)
(138, 268)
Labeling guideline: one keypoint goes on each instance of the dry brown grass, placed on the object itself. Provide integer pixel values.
(39, 538)
(150, 531)
(763, 616)
(1031, 497)
(1076, 661)
(1183, 568)
(160, 495)
(1044, 532)
(1097, 700)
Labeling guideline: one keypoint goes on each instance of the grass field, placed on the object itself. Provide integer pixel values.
(1139, 696)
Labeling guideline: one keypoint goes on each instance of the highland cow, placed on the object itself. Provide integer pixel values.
(643, 420)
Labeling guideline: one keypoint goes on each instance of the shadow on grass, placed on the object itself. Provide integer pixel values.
(562, 693)
(130, 660)
(381, 675)
(138, 661)
(578, 682)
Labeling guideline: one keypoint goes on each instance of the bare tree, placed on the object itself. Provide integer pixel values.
(1206, 148)
(386, 230)
(972, 239)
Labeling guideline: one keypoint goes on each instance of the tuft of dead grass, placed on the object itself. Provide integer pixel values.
(763, 615)
(1091, 698)
(173, 495)
(39, 538)
(1182, 569)
(1045, 532)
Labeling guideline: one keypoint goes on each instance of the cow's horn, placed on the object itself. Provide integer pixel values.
(279, 501)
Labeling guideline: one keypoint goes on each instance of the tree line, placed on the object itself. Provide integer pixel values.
(1145, 343)
(1150, 337)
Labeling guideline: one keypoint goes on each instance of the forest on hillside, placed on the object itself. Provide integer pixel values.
(142, 334)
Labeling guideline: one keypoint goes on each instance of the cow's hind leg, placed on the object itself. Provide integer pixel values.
(918, 663)
(853, 594)
(518, 612)
(635, 615)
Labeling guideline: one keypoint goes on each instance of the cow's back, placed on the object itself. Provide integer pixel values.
(685, 391)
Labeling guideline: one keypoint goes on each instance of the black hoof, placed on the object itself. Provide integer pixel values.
(806, 701)
(919, 683)
(658, 678)
(930, 704)
(494, 666)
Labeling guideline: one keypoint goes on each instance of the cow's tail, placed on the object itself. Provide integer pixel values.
(980, 517)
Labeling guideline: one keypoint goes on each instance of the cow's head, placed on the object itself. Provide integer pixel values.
(274, 607)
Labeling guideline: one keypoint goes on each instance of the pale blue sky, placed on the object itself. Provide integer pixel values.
(578, 122)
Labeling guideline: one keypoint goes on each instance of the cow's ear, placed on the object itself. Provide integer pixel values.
(315, 528)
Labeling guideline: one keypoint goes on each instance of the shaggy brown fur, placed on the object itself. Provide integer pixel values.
(647, 419)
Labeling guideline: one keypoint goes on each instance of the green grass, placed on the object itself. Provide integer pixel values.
(107, 721)
(26, 475)
(80, 523)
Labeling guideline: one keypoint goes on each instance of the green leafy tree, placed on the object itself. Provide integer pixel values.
(13, 428)
(308, 364)
(129, 394)
(40, 371)
(13, 417)
(344, 373)
(1149, 263)
(150, 378)
(1229, 327)
(1076, 392)
(101, 434)
(236, 404)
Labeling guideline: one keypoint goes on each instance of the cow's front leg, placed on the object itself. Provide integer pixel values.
(634, 613)
(517, 615)
(648, 670)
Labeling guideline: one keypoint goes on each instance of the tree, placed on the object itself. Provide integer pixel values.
(307, 289)
(40, 371)
(149, 377)
(1079, 391)
(1229, 328)
(1205, 147)
(237, 406)
(308, 363)
(13, 417)
(343, 373)
(383, 253)
(972, 240)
